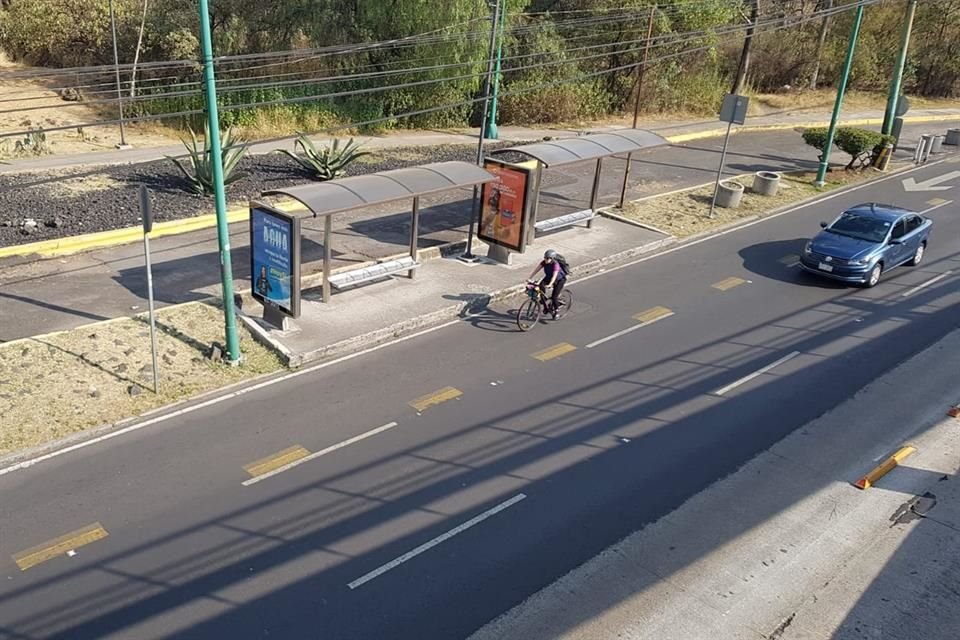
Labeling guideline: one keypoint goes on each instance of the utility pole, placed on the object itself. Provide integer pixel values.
(492, 122)
(841, 89)
(116, 68)
(824, 28)
(897, 79)
(741, 78)
(467, 255)
(220, 198)
(643, 65)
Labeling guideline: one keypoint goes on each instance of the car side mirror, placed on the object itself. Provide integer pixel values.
(823, 225)
(896, 241)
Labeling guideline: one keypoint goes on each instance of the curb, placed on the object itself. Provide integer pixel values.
(412, 325)
(885, 467)
(116, 237)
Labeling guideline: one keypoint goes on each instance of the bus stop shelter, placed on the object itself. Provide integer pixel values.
(569, 151)
(326, 199)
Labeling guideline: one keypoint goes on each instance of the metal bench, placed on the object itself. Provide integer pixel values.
(567, 220)
(373, 272)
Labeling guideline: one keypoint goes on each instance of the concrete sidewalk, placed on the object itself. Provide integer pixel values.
(787, 548)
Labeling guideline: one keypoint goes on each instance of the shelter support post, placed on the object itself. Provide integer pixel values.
(595, 191)
(327, 235)
(414, 235)
(626, 178)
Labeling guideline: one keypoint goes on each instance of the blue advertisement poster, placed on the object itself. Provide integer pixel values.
(274, 244)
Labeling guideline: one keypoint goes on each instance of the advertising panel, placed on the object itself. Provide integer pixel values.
(275, 259)
(505, 204)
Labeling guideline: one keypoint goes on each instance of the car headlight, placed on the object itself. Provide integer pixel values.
(808, 248)
(861, 261)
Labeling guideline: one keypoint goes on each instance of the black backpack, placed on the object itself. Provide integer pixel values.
(563, 264)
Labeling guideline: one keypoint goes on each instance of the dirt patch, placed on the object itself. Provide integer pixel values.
(687, 213)
(60, 384)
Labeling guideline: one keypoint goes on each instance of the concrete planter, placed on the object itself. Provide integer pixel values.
(766, 183)
(936, 144)
(953, 137)
(729, 194)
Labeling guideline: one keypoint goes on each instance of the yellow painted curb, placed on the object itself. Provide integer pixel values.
(883, 469)
(116, 237)
(863, 122)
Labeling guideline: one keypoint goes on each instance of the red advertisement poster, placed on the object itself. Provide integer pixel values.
(502, 206)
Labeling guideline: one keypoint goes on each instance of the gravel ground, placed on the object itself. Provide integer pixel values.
(56, 385)
(76, 201)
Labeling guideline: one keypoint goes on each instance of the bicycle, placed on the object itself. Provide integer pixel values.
(538, 304)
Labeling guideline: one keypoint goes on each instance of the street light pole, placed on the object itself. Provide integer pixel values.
(841, 89)
(216, 163)
(116, 67)
(492, 122)
(468, 254)
(897, 79)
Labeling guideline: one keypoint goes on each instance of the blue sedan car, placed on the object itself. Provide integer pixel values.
(865, 241)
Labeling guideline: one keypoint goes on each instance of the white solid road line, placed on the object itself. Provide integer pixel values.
(441, 538)
(25, 464)
(935, 207)
(640, 325)
(927, 283)
(322, 452)
(756, 374)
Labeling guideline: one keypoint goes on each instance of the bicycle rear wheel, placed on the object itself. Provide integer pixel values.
(565, 301)
(528, 314)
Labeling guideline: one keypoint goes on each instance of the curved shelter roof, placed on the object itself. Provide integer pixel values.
(344, 194)
(557, 153)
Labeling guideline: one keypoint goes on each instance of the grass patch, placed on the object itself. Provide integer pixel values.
(687, 213)
(60, 384)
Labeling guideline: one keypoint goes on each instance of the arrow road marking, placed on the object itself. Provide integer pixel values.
(910, 184)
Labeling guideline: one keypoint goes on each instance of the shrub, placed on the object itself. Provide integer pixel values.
(327, 163)
(200, 175)
(861, 144)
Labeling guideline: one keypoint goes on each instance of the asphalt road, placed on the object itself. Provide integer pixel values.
(58, 294)
(531, 457)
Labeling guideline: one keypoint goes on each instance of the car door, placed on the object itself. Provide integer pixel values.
(897, 252)
(913, 236)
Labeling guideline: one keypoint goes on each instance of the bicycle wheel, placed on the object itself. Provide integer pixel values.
(565, 302)
(528, 315)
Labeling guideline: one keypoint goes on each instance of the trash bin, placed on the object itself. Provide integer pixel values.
(936, 144)
(766, 183)
(953, 137)
(729, 194)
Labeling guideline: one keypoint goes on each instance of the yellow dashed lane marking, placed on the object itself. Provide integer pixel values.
(555, 351)
(937, 202)
(435, 398)
(651, 315)
(728, 283)
(275, 461)
(59, 546)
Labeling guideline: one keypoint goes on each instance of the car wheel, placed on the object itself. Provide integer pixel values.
(874, 276)
(918, 256)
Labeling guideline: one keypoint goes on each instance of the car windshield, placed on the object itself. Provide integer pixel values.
(855, 225)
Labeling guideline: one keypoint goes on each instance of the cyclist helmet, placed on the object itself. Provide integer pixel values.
(549, 254)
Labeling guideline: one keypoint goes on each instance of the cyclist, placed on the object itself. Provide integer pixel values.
(554, 276)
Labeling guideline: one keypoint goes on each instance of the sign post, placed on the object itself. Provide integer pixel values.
(733, 111)
(146, 214)
(275, 263)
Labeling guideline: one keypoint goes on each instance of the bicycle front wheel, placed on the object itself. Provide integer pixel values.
(564, 303)
(528, 315)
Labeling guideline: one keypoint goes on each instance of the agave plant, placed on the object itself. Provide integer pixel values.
(200, 175)
(326, 163)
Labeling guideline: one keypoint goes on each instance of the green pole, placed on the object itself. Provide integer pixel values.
(216, 161)
(841, 89)
(492, 121)
(897, 79)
